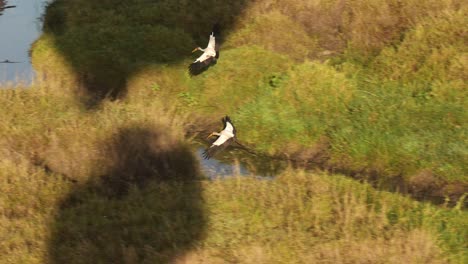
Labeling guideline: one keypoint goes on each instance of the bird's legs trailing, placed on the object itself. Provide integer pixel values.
(198, 48)
(214, 134)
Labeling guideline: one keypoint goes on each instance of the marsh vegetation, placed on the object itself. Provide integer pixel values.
(95, 158)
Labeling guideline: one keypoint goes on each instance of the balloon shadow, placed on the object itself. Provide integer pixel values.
(147, 208)
(106, 42)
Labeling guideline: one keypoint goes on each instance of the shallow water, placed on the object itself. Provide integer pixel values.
(235, 161)
(19, 28)
(238, 162)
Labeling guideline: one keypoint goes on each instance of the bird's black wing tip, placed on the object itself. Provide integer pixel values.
(200, 66)
(226, 119)
(191, 71)
(206, 155)
(195, 69)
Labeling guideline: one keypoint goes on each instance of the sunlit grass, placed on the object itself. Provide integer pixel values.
(74, 184)
(296, 218)
(311, 218)
(376, 89)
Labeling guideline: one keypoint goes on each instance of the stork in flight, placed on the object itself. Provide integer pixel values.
(225, 138)
(210, 54)
(8, 61)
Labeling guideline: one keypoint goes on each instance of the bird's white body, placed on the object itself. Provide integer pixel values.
(210, 54)
(209, 51)
(224, 135)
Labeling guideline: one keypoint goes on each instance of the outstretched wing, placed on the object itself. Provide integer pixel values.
(217, 38)
(217, 147)
(210, 56)
(201, 64)
(228, 126)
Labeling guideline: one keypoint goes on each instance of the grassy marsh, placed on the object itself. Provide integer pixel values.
(383, 100)
(95, 154)
(84, 181)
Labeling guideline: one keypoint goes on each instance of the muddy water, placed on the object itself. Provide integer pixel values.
(20, 25)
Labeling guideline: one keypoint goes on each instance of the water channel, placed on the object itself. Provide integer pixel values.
(20, 26)
(236, 161)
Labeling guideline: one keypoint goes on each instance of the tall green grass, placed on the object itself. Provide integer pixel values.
(301, 105)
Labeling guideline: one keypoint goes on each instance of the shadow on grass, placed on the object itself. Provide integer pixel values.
(146, 209)
(106, 42)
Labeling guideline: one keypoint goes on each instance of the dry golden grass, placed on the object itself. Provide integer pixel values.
(28, 200)
(416, 246)
(55, 154)
(275, 31)
(314, 218)
(365, 25)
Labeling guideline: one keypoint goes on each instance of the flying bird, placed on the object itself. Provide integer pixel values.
(8, 61)
(5, 7)
(210, 54)
(225, 138)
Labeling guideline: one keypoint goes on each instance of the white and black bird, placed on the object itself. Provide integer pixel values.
(225, 138)
(210, 54)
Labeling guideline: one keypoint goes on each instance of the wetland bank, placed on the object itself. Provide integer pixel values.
(97, 161)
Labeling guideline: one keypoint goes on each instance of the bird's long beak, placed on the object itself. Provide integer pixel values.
(195, 49)
(210, 135)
